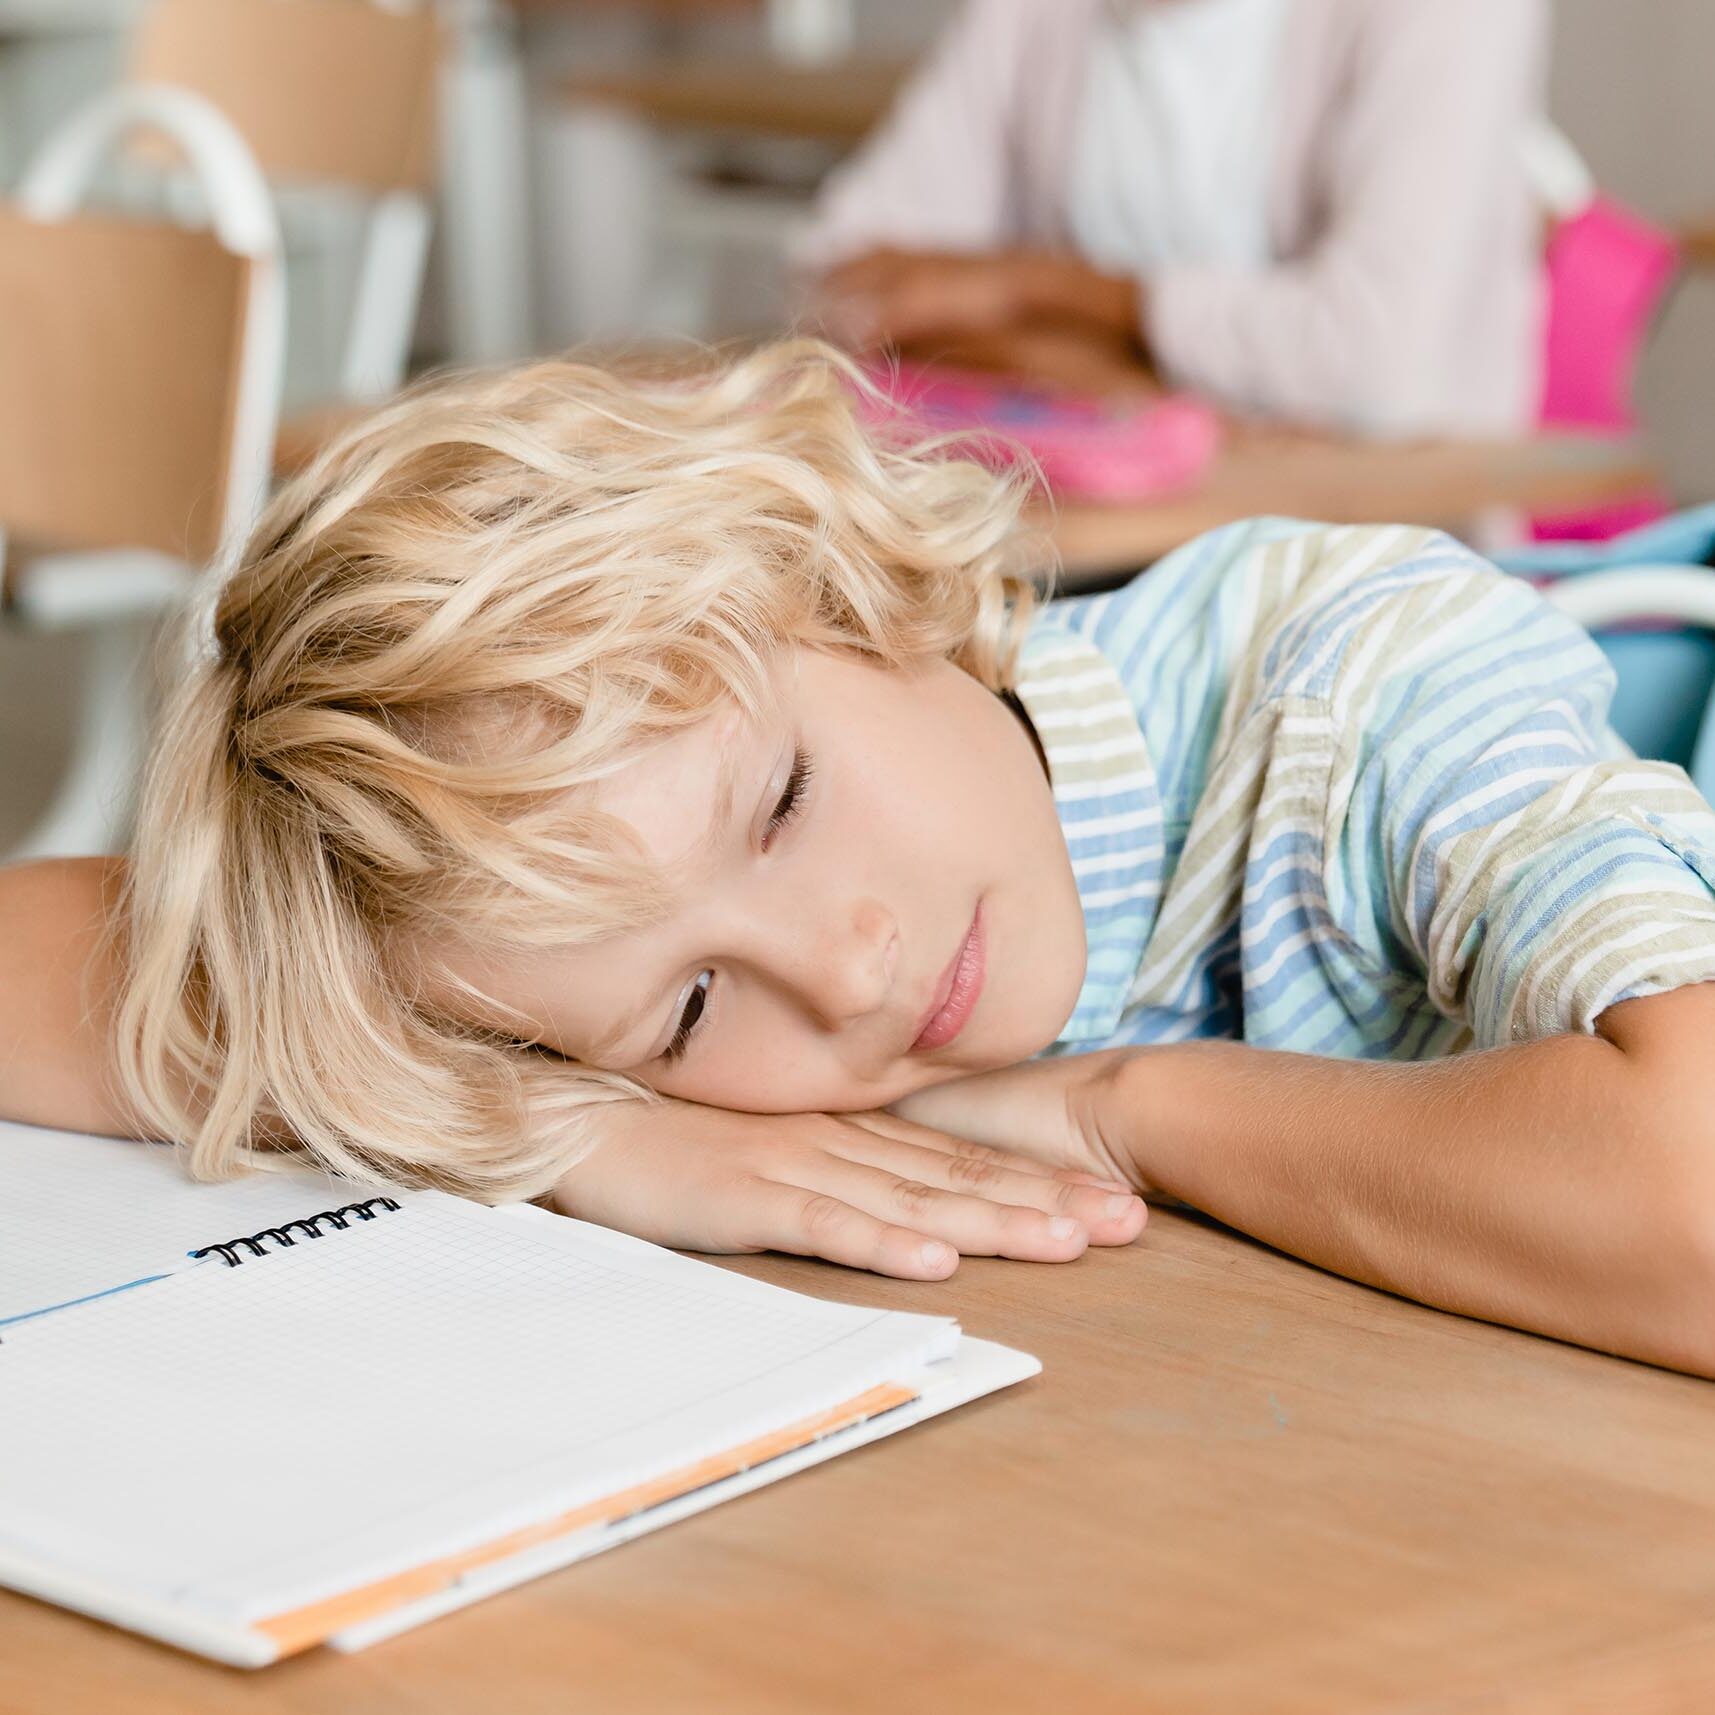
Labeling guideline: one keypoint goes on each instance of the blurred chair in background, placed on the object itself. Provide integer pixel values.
(140, 373)
(337, 101)
(1648, 596)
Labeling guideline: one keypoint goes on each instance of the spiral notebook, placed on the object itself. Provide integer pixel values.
(252, 1418)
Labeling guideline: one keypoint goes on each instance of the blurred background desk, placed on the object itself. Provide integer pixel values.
(1240, 1487)
(1447, 484)
(834, 104)
(1700, 245)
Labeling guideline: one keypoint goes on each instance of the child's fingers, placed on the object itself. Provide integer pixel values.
(812, 1223)
(976, 1225)
(1111, 1214)
(886, 1124)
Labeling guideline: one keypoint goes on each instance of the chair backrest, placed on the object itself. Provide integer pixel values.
(325, 92)
(139, 362)
(1649, 598)
(1656, 624)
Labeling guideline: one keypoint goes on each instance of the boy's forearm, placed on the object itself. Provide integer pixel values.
(59, 978)
(1563, 1185)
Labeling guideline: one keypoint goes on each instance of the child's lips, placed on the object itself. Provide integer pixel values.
(956, 993)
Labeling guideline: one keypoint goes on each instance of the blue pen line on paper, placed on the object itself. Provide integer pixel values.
(88, 1298)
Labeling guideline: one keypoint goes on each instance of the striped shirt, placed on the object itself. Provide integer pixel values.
(1353, 792)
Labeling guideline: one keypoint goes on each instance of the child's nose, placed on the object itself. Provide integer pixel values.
(850, 974)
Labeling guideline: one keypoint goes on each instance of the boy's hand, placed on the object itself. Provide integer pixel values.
(868, 1190)
(1076, 1113)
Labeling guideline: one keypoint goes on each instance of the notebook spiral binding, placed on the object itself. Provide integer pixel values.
(309, 1226)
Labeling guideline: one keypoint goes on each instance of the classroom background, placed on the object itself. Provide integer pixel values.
(568, 171)
(1245, 1484)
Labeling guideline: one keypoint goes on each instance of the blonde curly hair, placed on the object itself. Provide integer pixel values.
(482, 598)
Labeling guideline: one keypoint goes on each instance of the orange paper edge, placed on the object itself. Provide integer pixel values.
(300, 1628)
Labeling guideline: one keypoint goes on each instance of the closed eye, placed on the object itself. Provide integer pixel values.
(787, 809)
(791, 802)
(695, 1001)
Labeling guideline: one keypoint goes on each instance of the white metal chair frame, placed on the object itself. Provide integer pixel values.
(1642, 595)
(1633, 595)
(389, 287)
(115, 597)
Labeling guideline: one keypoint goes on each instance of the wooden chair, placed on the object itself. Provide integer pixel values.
(139, 388)
(334, 98)
(335, 101)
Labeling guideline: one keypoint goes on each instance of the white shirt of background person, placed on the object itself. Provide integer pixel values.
(1170, 164)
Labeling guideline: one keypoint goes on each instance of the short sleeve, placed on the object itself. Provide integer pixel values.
(1492, 829)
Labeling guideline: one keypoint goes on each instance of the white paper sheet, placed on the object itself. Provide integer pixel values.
(247, 1440)
(85, 1215)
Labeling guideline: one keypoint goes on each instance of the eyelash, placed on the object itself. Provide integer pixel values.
(786, 811)
(695, 1001)
(791, 804)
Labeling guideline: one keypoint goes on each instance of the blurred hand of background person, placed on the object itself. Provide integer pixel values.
(889, 296)
(1048, 318)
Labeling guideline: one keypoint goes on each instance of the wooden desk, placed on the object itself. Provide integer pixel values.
(834, 104)
(1349, 482)
(1698, 243)
(1240, 1487)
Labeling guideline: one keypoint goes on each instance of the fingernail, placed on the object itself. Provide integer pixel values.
(1062, 1227)
(935, 1256)
(1118, 1206)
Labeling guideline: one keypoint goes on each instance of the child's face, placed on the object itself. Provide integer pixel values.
(904, 914)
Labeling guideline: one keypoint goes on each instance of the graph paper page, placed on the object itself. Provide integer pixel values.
(81, 1215)
(249, 1439)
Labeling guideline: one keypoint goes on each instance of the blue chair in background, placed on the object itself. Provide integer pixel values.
(1648, 597)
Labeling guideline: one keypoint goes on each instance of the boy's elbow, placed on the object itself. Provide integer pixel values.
(59, 979)
(1677, 1236)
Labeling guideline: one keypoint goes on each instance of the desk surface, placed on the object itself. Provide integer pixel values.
(1699, 245)
(1271, 471)
(1240, 1485)
(836, 104)
(1351, 482)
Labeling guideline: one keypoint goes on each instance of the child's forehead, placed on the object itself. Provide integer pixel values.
(680, 792)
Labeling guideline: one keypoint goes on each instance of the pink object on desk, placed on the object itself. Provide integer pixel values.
(1608, 271)
(1086, 447)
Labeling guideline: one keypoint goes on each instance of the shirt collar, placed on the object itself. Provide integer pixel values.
(1109, 803)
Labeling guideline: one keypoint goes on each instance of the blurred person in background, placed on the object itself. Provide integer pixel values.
(1312, 210)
